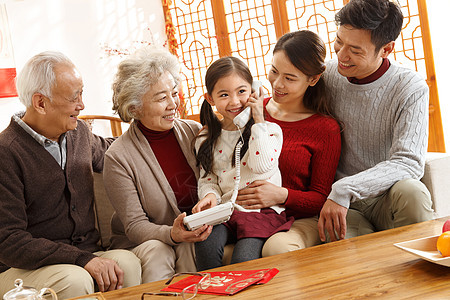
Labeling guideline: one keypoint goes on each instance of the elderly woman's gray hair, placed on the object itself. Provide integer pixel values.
(137, 74)
(38, 76)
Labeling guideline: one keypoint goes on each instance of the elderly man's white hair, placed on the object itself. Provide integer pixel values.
(137, 74)
(38, 76)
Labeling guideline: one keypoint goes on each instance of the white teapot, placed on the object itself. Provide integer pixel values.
(27, 293)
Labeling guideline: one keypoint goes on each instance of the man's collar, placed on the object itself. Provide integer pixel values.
(374, 76)
(42, 140)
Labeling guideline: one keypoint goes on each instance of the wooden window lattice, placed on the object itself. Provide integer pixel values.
(207, 30)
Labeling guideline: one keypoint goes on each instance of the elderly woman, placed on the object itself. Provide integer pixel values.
(150, 172)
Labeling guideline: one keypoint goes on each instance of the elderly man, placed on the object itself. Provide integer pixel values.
(47, 236)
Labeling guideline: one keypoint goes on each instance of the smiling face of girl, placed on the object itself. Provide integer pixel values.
(230, 95)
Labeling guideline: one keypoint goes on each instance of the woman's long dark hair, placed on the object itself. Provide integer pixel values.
(306, 51)
(220, 68)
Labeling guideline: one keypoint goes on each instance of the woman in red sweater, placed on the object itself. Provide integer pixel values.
(311, 141)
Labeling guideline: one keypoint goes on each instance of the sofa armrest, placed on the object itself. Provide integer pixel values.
(437, 180)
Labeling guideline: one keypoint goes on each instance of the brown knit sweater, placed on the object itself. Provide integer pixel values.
(47, 213)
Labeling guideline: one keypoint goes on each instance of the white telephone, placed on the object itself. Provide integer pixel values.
(211, 216)
(222, 212)
(241, 119)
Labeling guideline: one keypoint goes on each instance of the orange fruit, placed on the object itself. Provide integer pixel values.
(443, 244)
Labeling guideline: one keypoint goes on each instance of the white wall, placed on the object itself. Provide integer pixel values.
(439, 18)
(94, 34)
(85, 30)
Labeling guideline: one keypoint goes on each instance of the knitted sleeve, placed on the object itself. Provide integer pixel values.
(123, 185)
(406, 155)
(264, 147)
(19, 248)
(99, 145)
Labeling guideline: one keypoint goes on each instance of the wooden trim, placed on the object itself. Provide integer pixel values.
(195, 117)
(221, 27)
(280, 17)
(115, 122)
(436, 132)
(165, 6)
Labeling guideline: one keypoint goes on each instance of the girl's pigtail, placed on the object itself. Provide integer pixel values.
(205, 153)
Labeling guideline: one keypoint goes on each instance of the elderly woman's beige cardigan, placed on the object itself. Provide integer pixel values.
(138, 190)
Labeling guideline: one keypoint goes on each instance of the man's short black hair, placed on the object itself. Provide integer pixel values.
(383, 18)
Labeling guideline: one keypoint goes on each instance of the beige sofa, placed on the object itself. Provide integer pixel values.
(436, 178)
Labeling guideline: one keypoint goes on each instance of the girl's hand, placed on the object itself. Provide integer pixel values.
(261, 194)
(180, 234)
(207, 202)
(256, 103)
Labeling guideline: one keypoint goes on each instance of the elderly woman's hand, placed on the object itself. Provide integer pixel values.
(180, 234)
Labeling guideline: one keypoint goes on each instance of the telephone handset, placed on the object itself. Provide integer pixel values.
(241, 119)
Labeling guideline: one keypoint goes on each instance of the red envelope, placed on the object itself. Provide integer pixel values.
(226, 283)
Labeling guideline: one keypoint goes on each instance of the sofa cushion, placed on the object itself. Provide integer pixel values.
(103, 210)
(437, 180)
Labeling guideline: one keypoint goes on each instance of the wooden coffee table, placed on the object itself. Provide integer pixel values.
(364, 267)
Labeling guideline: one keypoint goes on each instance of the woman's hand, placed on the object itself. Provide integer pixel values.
(180, 234)
(207, 202)
(261, 194)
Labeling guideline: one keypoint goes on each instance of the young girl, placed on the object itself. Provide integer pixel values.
(228, 83)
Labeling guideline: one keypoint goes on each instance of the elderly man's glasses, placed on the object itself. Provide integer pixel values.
(188, 292)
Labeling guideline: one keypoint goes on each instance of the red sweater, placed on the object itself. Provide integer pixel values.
(174, 165)
(308, 162)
